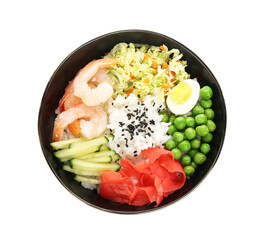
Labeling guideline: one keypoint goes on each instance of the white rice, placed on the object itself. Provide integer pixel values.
(135, 125)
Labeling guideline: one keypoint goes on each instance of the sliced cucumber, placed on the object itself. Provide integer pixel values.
(87, 179)
(110, 136)
(65, 143)
(106, 159)
(94, 142)
(105, 148)
(67, 154)
(98, 154)
(115, 157)
(85, 173)
(82, 165)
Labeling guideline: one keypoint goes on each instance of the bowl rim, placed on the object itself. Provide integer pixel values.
(121, 32)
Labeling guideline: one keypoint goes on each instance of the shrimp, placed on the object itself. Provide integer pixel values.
(69, 99)
(100, 90)
(98, 95)
(102, 76)
(92, 125)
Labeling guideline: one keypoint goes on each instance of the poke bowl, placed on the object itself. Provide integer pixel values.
(139, 95)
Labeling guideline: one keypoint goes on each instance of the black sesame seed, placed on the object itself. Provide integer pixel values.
(131, 127)
(118, 145)
(134, 151)
(138, 95)
(121, 124)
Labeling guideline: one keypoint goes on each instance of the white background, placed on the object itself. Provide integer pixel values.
(37, 35)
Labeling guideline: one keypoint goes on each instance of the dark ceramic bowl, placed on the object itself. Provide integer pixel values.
(96, 49)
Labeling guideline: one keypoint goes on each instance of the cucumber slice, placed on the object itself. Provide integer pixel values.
(105, 148)
(66, 143)
(97, 154)
(110, 136)
(67, 154)
(115, 157)
(85, 173)
(87, 179)
(105, 159)
(82, 165)
(94, 142)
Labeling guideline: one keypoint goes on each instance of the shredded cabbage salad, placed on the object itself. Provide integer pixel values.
(146, 70)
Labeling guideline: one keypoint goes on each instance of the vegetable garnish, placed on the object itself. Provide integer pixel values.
(139, 62)
(162, 47)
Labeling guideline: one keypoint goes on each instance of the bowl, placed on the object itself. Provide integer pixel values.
(97, 48)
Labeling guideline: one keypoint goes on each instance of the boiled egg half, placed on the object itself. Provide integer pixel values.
(183, 97)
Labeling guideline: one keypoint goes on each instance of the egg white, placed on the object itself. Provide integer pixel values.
(180, 109)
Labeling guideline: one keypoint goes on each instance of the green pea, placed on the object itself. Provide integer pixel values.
(208, 137)
(209, 113)
(177, 153)
(172, 118)
(190, 133)
(206, 103)
(199, 158)
(178, 137)
(205, 148)
(165, 117)
(180, 123)
(206, 92)
(202, 130)
(197, 110)
(192, 152)
(186, 160)
(195, 143)
(200, 119)
(211, 125)
(184, 146)
(172, 129)
(193, 164)
(189, 170)
(170, 144)
(190, 122)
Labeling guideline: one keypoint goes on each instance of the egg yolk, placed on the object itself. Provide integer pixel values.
(181, 93)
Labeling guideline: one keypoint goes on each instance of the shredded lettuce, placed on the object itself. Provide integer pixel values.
(145, 70)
